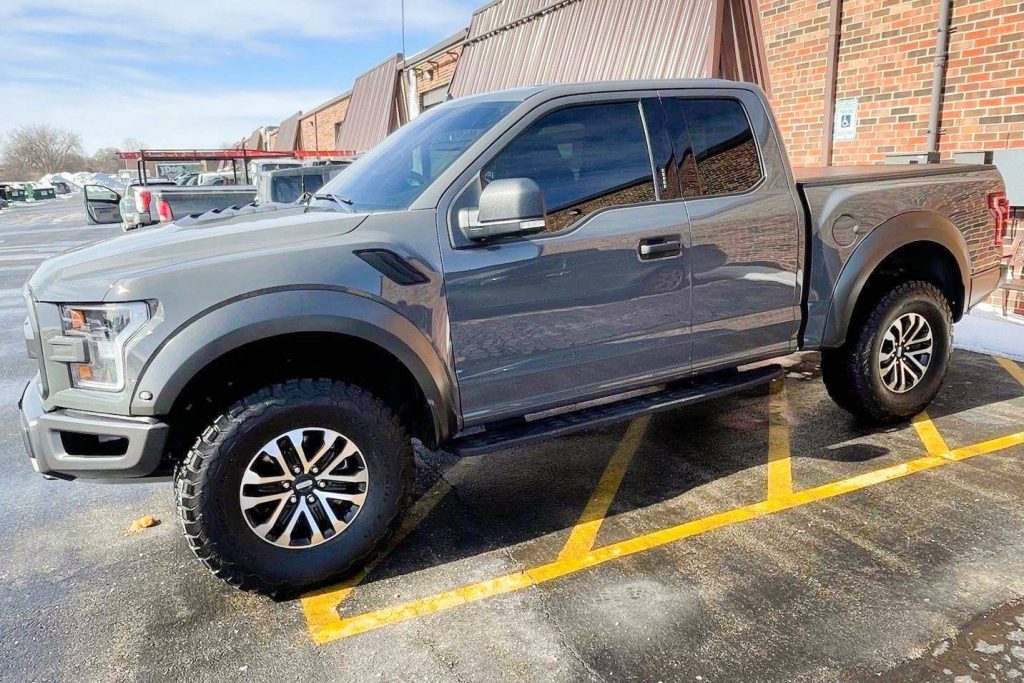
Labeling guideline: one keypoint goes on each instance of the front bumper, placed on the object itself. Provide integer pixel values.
(71, 444)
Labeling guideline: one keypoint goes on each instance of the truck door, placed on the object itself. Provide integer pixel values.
(597, 302)
(745, 225)
(101, 204)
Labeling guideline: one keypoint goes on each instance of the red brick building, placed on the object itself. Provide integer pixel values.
(318, 128)
(886, 63)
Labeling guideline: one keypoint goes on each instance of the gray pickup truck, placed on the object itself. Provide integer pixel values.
(504, 268)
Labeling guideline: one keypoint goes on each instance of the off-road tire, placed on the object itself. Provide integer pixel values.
(851, 372)
(207, 494)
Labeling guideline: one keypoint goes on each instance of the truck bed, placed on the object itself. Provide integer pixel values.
(185, 201)
(842, 175)
(846, 204)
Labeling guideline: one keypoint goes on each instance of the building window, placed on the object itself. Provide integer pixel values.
(432, 98)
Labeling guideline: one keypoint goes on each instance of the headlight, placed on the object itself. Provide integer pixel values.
(106, 329)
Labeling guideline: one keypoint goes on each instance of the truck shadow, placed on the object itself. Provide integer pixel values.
(525, 500)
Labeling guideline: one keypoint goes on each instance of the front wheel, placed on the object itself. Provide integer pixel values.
(295, 484)
(895, 357)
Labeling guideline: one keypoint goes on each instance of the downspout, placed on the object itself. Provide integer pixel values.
(835, 27)
(939, 77)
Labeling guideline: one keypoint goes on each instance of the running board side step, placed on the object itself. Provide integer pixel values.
(515, 433)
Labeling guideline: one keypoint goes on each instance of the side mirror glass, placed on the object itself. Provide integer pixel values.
(510, 206)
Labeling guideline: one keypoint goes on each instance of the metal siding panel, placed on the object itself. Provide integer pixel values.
(584, 40)
(288, 134)
(370, 117)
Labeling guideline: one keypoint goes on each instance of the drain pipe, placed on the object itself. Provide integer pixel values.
(939, 78)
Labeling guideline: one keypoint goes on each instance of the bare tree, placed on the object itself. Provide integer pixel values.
(132, 145)
(32, 151)
(104, 160)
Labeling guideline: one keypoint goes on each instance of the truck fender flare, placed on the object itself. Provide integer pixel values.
(261, 315)
(899, 231)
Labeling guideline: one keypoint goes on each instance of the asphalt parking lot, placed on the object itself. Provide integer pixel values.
(763, 537)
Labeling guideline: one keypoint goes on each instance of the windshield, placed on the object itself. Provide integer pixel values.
(394, 173)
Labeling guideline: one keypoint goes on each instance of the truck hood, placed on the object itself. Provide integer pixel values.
(89, 274)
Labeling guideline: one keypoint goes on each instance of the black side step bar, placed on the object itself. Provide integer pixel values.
(675, 396)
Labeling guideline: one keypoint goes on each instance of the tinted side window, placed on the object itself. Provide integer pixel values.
(584, 158)
(719, 156)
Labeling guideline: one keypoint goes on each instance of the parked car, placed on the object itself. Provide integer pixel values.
(186, 179)
(504, 268)
(291, 184)
(4, 204)
(60, 187)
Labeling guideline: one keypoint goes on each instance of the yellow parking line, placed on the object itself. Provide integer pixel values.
(361, 623)
(1012, 368)
(930, 437)
(780, 469)
(583, 535)
(321, 607)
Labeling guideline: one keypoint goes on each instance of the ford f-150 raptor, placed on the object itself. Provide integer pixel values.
(506, 267)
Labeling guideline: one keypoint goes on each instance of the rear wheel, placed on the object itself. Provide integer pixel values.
(895, 356)
(295, 484)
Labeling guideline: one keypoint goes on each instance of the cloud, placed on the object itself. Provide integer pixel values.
(188, 72)
(163, 119)
(247, 21)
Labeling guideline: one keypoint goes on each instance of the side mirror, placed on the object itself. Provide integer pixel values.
(511, 206)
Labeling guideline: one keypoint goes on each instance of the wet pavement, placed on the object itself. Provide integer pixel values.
(762, 537)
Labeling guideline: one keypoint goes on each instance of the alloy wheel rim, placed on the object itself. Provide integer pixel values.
(303, 488)
(906, 352)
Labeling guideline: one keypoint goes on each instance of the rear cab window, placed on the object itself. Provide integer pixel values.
(716, 151)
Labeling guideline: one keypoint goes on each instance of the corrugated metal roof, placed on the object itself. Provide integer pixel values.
(254, 140)
(288, 133)
(372, 110)
(514, 43)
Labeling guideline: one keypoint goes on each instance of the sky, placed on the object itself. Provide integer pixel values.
(196, 73)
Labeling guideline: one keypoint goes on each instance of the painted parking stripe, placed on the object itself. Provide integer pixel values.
(584, 534)
(1015, 370)
(930, 437)
(780, 468)
(320, 607)
(326, 623)
(332, 626)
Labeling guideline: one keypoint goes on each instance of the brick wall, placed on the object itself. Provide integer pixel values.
(437, 71)
(886, 58)
(796, 40)
(316, 130)
(984, 103)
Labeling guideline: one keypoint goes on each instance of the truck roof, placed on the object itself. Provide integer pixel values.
(564, 89)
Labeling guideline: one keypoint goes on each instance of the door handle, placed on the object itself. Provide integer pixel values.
(660, 247)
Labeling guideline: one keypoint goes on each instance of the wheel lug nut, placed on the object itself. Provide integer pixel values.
(296, 470)
(286, 484)
(316, 470)
(310, 498)
(322, 484)
(292, 499)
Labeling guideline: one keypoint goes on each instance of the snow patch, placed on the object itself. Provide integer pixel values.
(986, 331)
